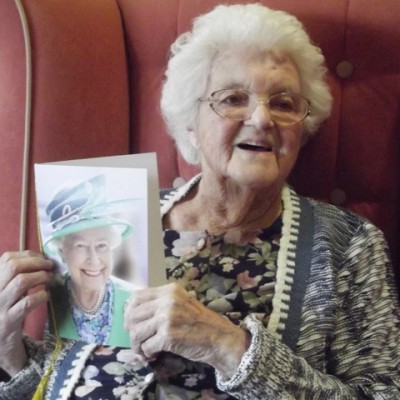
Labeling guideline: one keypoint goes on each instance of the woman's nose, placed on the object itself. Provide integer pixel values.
(261, 117)
(93, 257)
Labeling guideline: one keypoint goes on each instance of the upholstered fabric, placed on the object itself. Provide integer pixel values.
(80, 105)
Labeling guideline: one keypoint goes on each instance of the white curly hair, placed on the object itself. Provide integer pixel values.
(255, 28)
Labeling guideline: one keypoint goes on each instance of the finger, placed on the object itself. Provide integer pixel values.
(142, 312)
(138, 353)
(143, 295)
(14, 263)
(129, 356)
(146, 355)
(139, 333)
(152, 347)
(26, 304)
(21, 255)
(142, 331)
(147, 294)
(168, 303)
(20, 285)
(136, 350)
(144, 304)
(171, 290)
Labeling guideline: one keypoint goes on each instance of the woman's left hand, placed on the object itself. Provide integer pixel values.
(168, 319)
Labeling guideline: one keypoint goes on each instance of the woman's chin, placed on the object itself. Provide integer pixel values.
(255, 178)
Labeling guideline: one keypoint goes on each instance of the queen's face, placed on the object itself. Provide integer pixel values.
(255, 152)
(88, 256)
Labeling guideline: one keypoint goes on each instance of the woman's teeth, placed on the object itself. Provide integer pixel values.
(254, 147)
(91, 273)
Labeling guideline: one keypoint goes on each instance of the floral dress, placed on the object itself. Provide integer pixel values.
(232, 275)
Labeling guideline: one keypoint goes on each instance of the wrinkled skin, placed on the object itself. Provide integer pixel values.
(168, 319)
(19, 273)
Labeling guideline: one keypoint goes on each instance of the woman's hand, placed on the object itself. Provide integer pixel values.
(19, 272)
(169, 319)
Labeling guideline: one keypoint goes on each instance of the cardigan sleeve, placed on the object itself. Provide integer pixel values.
(23, 384)
(362, 353)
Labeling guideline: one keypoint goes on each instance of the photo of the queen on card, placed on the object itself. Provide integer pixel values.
(86, 232)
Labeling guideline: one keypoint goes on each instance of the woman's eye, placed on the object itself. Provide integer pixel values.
(102, 247)
(235, 100)
(284, 104)
(80, 246)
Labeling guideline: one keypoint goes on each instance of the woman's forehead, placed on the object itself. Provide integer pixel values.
(243, 69)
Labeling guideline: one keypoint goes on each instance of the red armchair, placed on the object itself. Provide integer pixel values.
(93, 83)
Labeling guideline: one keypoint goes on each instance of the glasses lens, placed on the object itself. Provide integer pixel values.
(232, 104)
(288, 108)
(238, 104)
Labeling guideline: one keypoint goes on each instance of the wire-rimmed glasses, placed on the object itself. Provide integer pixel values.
(286, 108)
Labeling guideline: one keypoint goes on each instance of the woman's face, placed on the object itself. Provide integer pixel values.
(256, 152)
(88, 256)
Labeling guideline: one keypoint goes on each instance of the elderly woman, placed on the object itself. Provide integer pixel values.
(271, 295)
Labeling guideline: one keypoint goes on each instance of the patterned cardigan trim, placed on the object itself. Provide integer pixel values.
(285, 263)
(298, 225)
(67, 374)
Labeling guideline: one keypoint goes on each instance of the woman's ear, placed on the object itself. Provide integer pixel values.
(193, 137)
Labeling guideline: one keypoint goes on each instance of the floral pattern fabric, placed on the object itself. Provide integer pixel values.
(109, 374)
(95, 328)
(232, 274)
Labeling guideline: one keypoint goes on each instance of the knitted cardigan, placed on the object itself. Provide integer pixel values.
(334, 332)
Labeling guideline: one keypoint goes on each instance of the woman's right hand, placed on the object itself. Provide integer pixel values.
(19, 273)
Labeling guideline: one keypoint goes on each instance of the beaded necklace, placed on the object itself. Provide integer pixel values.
(88, 311)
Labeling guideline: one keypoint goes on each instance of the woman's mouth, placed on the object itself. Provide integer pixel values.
(90, 273)
(255, 147)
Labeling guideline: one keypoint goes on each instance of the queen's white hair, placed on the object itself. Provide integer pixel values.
(252, 27)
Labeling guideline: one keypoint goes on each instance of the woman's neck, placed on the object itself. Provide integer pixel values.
(87, 300)
(219, 208)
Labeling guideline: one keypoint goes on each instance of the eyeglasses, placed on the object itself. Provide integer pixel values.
(239, 104)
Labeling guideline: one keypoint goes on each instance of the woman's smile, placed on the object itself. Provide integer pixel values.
(256, 145)
(92, 273)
